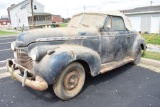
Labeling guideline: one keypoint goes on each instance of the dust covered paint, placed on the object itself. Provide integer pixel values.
(100, 42)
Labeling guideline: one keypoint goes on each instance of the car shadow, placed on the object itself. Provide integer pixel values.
(49, 96)
(106, 76)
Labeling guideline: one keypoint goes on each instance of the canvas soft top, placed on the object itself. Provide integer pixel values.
(113, 13)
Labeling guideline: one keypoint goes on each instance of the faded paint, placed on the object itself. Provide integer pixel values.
(96, 47)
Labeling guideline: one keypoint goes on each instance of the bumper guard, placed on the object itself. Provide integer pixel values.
(28, 78)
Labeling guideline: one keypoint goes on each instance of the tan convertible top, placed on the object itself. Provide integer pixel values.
(113, 13)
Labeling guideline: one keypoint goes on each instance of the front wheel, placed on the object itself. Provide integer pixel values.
(138, 55)
(70, 82)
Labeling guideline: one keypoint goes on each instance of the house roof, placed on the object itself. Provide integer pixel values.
(5, 20)
(40, 13)
(4, 17)
(17, 4)
(145, 9)
(56, 15)
(139, 10)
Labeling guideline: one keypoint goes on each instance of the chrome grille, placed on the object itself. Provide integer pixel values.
(24, 60)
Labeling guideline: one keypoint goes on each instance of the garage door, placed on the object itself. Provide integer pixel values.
(155, 24)
(136, 23)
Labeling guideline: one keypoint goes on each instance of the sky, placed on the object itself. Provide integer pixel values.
(67, 8)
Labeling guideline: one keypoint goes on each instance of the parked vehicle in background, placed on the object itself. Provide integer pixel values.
(92, 42)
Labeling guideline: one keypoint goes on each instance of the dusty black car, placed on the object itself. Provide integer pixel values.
(92, 43)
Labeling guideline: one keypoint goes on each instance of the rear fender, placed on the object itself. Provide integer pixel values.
(139, 41)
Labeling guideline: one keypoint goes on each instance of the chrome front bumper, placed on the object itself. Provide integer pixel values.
(28, 78)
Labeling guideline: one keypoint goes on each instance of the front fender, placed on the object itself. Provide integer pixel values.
(52, 65)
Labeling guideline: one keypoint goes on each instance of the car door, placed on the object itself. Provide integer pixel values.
(114, 39)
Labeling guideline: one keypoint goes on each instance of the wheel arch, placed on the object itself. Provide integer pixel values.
(85, 65)
(139, 42)
(142, 46)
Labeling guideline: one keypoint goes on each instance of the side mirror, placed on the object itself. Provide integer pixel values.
(108, 27)
(99, 26)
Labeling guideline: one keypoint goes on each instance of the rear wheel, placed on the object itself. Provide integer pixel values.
(138, 55)
(70, 81)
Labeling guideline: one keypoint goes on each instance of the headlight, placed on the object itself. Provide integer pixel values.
(38, 53)
(13, 46)
(34, 55)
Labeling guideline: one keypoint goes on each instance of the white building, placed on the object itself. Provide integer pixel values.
(145, 19)
(20, 14)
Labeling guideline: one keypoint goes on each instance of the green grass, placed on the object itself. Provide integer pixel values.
(63, 24)
(5, 33)
(154, 40)
(151, 55)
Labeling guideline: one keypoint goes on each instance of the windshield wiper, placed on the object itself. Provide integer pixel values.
(84, 25)
(74, 26)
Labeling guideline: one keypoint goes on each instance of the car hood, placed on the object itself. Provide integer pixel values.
(28, 37)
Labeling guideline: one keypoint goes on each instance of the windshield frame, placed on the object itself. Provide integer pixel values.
(81, 16)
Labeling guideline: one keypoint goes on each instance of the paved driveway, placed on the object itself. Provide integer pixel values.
(5, 47)
(127, 86)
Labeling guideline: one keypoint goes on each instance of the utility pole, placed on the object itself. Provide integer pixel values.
(84, 8)
(151, 2)
(32, 13)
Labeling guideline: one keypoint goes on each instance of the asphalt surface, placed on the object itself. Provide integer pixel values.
(5, 47)
(127, 86)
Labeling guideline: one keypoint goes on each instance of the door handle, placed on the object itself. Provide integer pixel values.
(128, 36)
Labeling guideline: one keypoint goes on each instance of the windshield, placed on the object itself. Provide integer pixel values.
(86, 20)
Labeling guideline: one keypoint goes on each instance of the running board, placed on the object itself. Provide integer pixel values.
(115, 64)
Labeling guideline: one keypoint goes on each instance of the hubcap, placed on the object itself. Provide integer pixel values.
(71, 80)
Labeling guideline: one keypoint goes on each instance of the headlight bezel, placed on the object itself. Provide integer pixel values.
(37, 53)
(13, 46)
(34, 55)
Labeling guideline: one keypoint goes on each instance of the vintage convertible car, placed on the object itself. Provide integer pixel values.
(94, 42)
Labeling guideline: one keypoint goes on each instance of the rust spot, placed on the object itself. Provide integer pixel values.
(115, 64)
(73, 54)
